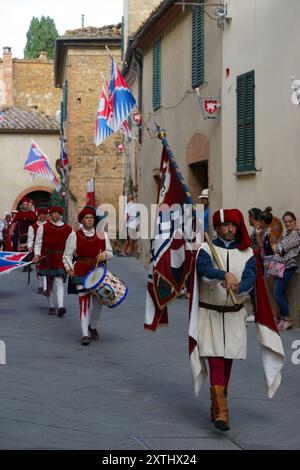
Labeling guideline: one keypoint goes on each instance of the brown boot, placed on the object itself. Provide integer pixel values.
(214, 406)
(219, 403)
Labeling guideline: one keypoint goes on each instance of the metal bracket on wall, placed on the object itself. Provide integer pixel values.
(219, 14)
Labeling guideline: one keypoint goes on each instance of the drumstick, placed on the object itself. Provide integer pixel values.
(71, 269)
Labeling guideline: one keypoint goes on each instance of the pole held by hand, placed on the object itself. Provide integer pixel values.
(219, 264)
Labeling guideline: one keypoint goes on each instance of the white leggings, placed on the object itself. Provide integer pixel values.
(89, 310)
(58, 282)
(42, 282)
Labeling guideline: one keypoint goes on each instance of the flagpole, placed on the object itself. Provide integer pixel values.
(161, 134)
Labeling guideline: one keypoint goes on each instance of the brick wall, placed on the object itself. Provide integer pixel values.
(34, 86)
(103, 163)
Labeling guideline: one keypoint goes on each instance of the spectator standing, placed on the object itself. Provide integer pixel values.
(205, 201)
(131, 221)
(286, 252)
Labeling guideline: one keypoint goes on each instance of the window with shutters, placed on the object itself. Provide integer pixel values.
(245, 160)
(197, 46)
(156, 75)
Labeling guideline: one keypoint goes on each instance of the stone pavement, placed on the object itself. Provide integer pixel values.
(132, 389)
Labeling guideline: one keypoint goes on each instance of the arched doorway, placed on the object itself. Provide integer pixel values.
(40, 195)
(197, 158)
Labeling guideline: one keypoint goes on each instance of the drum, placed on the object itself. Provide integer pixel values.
(106, 285)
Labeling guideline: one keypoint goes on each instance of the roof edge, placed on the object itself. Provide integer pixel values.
(62, 45)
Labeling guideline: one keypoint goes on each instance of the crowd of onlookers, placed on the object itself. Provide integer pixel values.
(278, 244)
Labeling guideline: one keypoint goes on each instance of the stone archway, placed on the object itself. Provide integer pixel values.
(197, 158)
(28, 191)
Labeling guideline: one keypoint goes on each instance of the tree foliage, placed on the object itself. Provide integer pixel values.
(40, 37)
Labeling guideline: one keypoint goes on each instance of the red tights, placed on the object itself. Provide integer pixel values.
(220, 369)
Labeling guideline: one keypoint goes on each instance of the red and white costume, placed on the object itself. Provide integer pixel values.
(49, 245)
(86, 246)
(32, 231)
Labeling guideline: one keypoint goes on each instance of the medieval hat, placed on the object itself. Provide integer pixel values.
(88, 210)
(235, 217)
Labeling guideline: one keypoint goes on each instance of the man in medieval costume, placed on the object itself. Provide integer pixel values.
(217, 314)
(23, 219)
(89, 248)
(48, 249)
(42, 213)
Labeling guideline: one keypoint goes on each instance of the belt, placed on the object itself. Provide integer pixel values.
(53, 252)
(221, 308)
(86, 260)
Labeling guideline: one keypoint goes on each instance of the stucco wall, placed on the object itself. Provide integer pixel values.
(264, 37)
(13, 178)
(252, 43)
(182, 120)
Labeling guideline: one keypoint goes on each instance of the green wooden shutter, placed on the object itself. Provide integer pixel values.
(156, 75)
(245, 160)
(197, 46)
(65, 100)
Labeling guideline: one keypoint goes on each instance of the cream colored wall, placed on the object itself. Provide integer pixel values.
(183, 121)
(14, 151)
(264, 37)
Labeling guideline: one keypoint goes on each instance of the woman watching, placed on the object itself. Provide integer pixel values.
(286, 252)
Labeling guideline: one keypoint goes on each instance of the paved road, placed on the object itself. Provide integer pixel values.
(132, 390)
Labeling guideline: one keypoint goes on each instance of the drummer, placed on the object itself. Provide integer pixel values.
(89, 248)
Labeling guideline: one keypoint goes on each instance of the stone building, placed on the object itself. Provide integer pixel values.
(28, 84)
(81, 58)
(17, 129)
(29, 105)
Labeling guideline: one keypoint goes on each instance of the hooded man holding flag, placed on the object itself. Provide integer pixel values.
(217, 320)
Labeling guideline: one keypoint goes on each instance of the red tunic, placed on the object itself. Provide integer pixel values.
(53, 245)
(24, 219)
(87, 249)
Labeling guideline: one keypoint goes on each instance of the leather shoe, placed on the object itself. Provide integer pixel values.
(61, 311)
(85, 341)
(94, 333)
(51, 311)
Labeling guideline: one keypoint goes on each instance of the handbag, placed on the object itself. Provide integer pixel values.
(276, 269)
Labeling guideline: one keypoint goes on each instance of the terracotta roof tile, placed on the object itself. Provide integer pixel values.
(21, 119)
(108, 31)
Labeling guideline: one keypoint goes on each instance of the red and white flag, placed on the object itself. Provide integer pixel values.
(38, 165)
(90, 193)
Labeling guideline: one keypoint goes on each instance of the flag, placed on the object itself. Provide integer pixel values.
(102, 131)
(121, 100)
(125, 129)
(63, 155)
(38, 164)
(172, 246)
(90, 193)
(11, 260)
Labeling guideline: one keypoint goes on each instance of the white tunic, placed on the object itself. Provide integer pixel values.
(223, 334)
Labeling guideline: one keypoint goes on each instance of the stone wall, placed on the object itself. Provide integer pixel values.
(104, 163)
(29, 84)
(34, 86)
